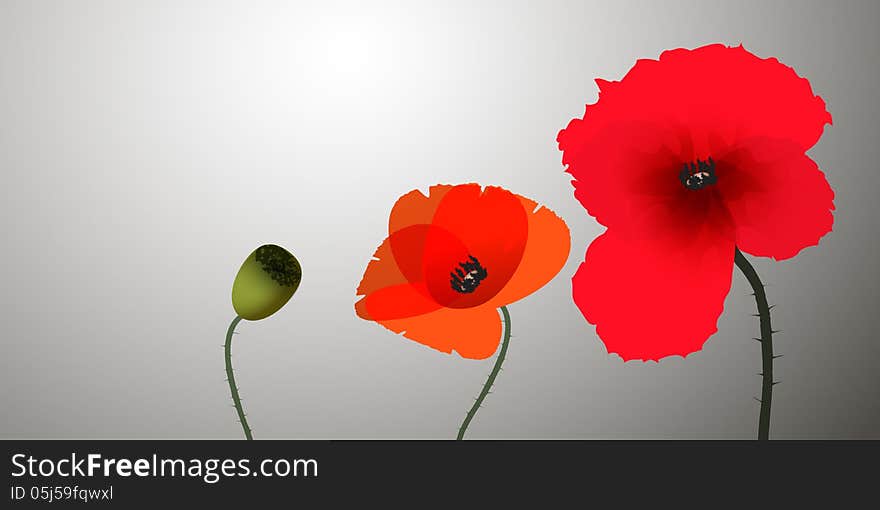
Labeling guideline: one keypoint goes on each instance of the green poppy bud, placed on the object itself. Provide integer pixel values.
(266, 281)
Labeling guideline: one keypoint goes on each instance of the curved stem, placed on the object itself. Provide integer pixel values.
(491, 380)
(231, 378)
(766, 343)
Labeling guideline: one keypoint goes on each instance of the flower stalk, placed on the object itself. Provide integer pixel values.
(766, 343)
(491, 380)
(230, 376)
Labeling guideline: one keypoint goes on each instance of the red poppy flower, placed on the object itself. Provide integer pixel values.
(684, 160)
(453, 258)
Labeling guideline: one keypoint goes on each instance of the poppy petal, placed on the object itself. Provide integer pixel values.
(652, 298)
(714, 89)
(382, 271)
(387, 291)
(415, 208)
(472, 332)
(688, 105)
(423, 251)
(395, 302)
(546, 252)
(492, 225)
(718, 85)
(778, 198)
(624, 172)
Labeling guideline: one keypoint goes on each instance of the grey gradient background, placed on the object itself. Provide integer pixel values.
(147, 147)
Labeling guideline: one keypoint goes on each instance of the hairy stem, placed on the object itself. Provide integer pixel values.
(231, 378)
(766, 343)
(491, 380)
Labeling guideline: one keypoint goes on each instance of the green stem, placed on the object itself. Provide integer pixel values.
(231, 378)
(491, 380)
(766, 343)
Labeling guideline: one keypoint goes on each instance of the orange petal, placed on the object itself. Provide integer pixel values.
(415, 208)
(396, 302)
(381, 272)
(388, 293)
(547, 248)
(472, 332)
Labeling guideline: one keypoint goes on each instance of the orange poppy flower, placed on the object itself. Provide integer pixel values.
(454, 257)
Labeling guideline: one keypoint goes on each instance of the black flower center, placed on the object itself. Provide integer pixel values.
(466, 277)
(279, 264)
(698, 175)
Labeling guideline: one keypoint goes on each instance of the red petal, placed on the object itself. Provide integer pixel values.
(490, 225)
(652, 298)
(718, 89)
(632, 181)
(780, 201)
(689, 104)
(626, 172)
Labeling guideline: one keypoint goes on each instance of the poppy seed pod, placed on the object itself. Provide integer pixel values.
(268, 278)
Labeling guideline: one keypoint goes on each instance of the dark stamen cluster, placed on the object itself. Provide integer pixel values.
(467, 277)
(698, 175)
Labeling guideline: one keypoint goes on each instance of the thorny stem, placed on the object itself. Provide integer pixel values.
(231, 378)
(491, 380)
(766, 343)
